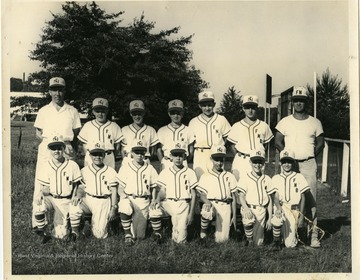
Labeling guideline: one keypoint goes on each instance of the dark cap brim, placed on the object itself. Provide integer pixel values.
(257, 157)
(97, 151)
(59, 143)
(173, 151)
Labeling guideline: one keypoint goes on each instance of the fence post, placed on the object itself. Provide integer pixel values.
(325, 162)
(345, 169)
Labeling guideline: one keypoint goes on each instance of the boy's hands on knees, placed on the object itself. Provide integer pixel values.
(39, 198)
(207, 206)
(248, 213)
(278, 213)
(301, 221)
(268, 225)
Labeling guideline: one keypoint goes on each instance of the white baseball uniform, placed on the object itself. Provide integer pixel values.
(97, 201)
(247, 137)
(304, 132)
(51, 122)
(146, 134)
(59, 180)
(108, 133)
(257, 191)
(289, 188)
(137, 183)
(218, 189)
(178, 185)
(170, 136)
(208, 133)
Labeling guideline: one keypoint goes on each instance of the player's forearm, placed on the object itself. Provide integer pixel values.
(233, 149)
(114, 196)
(302, 203)
(319, 144)
(243, 202)
(279, 141)
(160, 154)
(38, 133)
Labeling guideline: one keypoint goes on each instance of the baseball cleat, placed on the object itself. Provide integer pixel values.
(129, 241)
(42, 237)
(315, 243)
(158, 238)
(276, 246)
(249, 243)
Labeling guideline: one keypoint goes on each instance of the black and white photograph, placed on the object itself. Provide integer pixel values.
(162, 139)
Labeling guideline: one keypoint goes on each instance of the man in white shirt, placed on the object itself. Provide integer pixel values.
(304, 135)
(58, 118)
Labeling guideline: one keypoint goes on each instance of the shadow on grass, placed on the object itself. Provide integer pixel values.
(331, 226)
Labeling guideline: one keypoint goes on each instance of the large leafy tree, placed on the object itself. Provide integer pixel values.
(333, 105)
(231, 106)
(98, 56)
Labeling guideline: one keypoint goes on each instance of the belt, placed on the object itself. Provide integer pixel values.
(306, 159)
(240, 154)
(138, 196)
(291, 206)
(255, 206)
(179, 199)
(99, 196)
(227, 201)
(201, 149)
(59, 196)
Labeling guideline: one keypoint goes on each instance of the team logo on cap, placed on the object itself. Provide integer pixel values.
(258, 153)
(97, 145)
(100, 101)
(174, 103)
(136, 104)
(56, 138)
(286, 153)
(178, 145)
(56, 80)
(220, 149)
(205, 94)
(250, 98)
(140, 143)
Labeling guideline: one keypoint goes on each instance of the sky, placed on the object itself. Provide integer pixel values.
(235, 43)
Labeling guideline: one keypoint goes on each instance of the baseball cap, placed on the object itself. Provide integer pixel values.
(175, 104)
(287, 154)
(136, 105)
(257, 154)
(100, 102)
(96, 147)
(250, 100)
(218, 151)
(206, 96)
(299, 93)
(178, 148)
(56, 140)
(56, 82)
(138, 145)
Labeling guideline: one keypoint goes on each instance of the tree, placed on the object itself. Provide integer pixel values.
(98, 57)
(231, 106)
(333, 105)
(16, 84)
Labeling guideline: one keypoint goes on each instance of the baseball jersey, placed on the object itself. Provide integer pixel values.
(300, 135)
(170, 136)
(209, 132)
(217, 186)
(147, 134)
(248, 137)
(137, 180)
(256, 190)
(61, 122)
(60, 179)
(178, 183)
(108, 133)
(290, 187)
(99, 182)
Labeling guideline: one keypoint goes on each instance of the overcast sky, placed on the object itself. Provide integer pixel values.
(235, 43)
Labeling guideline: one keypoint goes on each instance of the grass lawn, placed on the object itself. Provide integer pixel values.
(110, 256)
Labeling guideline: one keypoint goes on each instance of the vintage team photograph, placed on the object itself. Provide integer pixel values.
(184, 138)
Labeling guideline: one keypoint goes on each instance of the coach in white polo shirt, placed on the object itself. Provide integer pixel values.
(59, 118)
(304, 135)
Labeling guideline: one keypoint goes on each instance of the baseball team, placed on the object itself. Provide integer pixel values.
(244, 197)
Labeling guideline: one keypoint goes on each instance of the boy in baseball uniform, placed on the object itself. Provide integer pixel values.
(97, 195)
(58, 180)
(289, 200)
(103, 130)
(247, 135)
(217, 191)
(210, 129)
(255, 200)
(137, 180)
(176, 197)
(174, 132)
(138, 131)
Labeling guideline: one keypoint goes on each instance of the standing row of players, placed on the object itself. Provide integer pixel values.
(174, 191)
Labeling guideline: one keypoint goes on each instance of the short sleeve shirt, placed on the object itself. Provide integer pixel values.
(109, 133)
(60, 122)
(178, 183)
(61, 178)
(300, 135)
(99, 182)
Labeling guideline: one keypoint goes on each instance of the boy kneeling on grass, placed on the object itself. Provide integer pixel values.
(175, 198)
(137, 180)
(97, 195)
(255, 189)
(58, 180)
(289, 202)
(217, 191)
